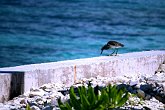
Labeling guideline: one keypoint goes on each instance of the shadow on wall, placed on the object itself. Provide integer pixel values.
(16, 86)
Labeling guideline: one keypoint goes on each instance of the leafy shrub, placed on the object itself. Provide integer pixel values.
(117, 97)
(88, 99)
(28, 107)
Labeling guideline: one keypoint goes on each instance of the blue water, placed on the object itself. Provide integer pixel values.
(35, 31)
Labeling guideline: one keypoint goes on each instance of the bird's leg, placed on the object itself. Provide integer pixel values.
(112, 53)
(116, 52)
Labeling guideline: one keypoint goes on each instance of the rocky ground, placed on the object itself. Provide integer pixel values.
(150, 92)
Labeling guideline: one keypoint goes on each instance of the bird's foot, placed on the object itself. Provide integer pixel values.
(113, 55)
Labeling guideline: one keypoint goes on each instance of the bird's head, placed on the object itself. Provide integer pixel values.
(105, 47)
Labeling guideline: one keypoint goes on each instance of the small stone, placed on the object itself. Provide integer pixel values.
(161, 69)
(121, 79)
(31, 102)
(48, 90)
(36, 93)
(22, 101)
(77, 85)
(26, 94)
(48, 100)
(44, 100)
(54, 102)
(4, 108)
(57, 95)
(130, 89)
(40, 102)
(92, 79)
(161, 99)
(133, 83)
(159, 78)
(56, 108)
(46, 86)
(146, 88)
(140, 93)
(34, 89)
(23, 105)
(148, 97)
(13, 107)
(47, 108)
(34, 107)
(139, 84)
(146, 108)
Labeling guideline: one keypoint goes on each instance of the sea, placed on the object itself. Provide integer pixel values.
(39, 31)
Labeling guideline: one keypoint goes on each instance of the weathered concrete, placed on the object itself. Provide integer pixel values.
(132, 64)
(11, 85)
(5, 79)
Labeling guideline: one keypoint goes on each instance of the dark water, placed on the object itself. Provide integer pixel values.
(35, 31)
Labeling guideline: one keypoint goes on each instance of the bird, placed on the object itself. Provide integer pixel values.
(111, 45)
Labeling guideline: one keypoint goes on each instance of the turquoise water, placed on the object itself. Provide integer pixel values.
(36, 31)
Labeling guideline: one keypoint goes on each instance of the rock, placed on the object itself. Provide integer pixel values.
(154, 104)
(22, 101)
(148, 97)
(56, 108)
(13, 107)
(40, 102)
(48, 90)
(56, 94)
(77, 85)
(36, 93)
(31, 102)
(65, 98)
(94, 83)
(122, 79)
(48, 101)
(138, 85)
(64, 92)
(146, 88)
(46, 86)
(48, 108)
(146, 108)
(141, 93)
(54, 102)
(3, 107)
(161, 69)
(44, 100)
(158, 91)
(26, 94)
(34, 107)
(159, 78)
(34, 89)
(23, 105)
(161, 99)
(133, 83)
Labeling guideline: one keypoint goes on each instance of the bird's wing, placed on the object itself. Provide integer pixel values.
(114, 43)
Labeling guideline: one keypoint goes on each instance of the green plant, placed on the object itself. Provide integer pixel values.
(116, 97)
(87, 100)
(110, 97)
(28, 107)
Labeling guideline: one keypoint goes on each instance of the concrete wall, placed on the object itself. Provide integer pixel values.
(11, 85)
(132, 64)
(4, 86)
